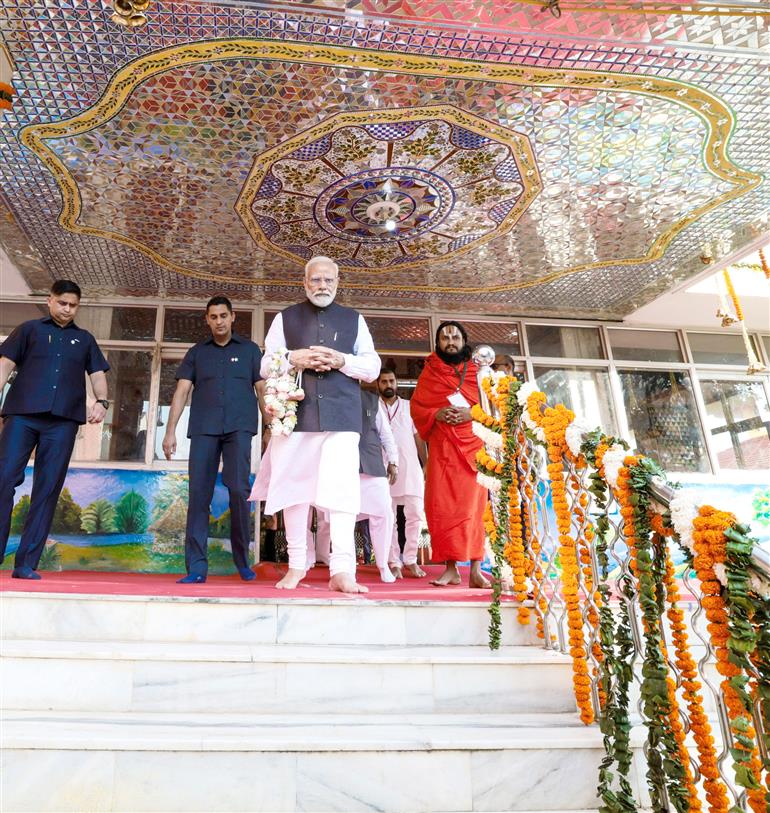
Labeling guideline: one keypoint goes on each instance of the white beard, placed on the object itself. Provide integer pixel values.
(320, 300)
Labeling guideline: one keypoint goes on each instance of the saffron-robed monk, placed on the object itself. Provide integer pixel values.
(454, 502)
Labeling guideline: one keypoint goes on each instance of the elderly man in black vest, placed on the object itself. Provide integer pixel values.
(318, 463)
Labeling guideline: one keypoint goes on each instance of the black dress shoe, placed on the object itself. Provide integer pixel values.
(24, 573)
(192, 578)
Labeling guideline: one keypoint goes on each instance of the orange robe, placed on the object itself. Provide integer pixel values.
(454, 501)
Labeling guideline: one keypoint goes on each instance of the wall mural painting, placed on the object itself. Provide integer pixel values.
(122, 520)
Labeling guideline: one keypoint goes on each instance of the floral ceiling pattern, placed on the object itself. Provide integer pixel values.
(448, 156)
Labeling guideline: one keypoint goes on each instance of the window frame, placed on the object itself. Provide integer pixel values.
(165, 350)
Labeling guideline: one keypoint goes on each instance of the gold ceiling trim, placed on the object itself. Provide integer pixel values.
(519, 145)
(715, 114)
(658, 9)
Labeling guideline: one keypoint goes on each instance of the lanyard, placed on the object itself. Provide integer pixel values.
(461, 377)
(395, 411)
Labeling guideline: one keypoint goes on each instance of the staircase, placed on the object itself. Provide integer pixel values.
(169, 704)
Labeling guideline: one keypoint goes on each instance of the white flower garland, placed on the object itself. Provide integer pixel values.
(282, 393)
(491, 439)
(524, 391)
(684, 510)
(613, 463)
(488, 482)
(574, 434)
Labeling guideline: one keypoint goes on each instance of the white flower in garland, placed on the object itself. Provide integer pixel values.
(488, 482)
(524, 391)
(492, 440)
(720, 571)
(613, 463)
(282, 393)
(575, 434)
(684, 509)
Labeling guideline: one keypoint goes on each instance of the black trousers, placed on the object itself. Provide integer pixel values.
(234, 449)
(53, 439)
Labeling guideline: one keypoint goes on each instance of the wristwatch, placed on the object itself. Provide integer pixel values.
(104, 402)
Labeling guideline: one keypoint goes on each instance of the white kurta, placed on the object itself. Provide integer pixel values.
(410, 480)
(319, 468)
(375, 495)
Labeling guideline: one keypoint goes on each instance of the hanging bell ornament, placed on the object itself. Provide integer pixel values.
(136, 21)
(726, 318)
(140, 6)
(125, 8)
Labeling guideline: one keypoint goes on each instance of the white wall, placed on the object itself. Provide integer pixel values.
(11, 281)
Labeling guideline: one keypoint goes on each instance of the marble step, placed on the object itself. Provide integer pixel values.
(167, 762)
(189, 677)
(344, 621)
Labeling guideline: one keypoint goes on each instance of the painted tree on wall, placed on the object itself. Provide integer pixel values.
(98, 517)
(19, 515)
(66, 517)
(131, 514)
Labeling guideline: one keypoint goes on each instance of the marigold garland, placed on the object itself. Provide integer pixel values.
(709, 539)
(666, 757)
(716, 793)
(763, 263)
(554, 421)
(514, 549)
(733, 295)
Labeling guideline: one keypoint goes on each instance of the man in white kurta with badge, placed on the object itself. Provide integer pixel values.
(409, 486)
(317, 464)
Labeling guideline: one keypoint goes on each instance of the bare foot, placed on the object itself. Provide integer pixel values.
(292, 578)
(449, 576)
(345, 583)
(396, 571)
(415, 571)
(478, 580)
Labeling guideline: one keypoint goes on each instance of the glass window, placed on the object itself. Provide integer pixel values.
(718, 348)
(134, 324)
(189, 325)
(645, 345)
(663, 420)
(504, 337)
(584, 390)
(168, 369)
(269, 316)
(766, 343)
(407, 369)
(407, 334)
(123, 433)
(738, 418)
(564, 342)
(13, 314)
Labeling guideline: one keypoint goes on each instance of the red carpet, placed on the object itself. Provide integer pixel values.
(313, 587)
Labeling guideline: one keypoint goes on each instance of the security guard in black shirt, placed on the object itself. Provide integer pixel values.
(45, 405)
(221, 372)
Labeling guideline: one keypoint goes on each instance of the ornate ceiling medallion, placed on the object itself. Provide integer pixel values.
(438, 182)
(584, 169)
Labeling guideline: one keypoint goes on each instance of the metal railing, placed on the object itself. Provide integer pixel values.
(550, 607)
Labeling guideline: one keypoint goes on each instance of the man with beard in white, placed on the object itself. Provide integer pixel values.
(377, 442)
(408, 488)
(318, 463)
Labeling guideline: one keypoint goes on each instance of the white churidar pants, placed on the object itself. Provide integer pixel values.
(376, 507)
(318, 547)
(341, 527)
(413, 514)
